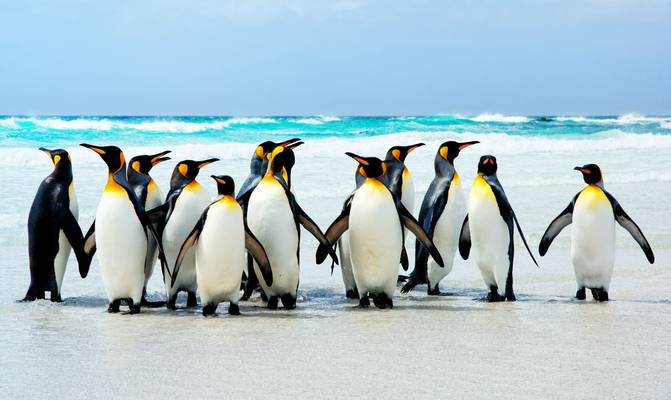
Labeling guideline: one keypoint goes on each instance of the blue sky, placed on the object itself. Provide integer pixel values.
(336, 57)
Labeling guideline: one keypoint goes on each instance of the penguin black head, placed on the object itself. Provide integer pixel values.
(591, 173)
(144, 163)
(369, 167)
(282, 159)
(401, 152)
(450, 150)
(59, 157)
(188, 169)
(112, 155)
(487, 165)
(225, 184)
(265, 148)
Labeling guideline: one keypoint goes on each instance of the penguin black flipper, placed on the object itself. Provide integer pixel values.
(627, 223)
(74, 235)
(465, 239)
(247, 187)
(507, 213)
(90, 240)
(413, 226)
(188, 243)
(312, 227)
(405, 264)
(432, 208)
(560, 222)
(334, 231)
(255, 248)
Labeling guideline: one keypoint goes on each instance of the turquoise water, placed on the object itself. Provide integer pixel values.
(21, 131)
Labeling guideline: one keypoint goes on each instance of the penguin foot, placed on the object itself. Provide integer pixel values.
(364, 302)
(191, 300)
(56, 297)
(134, 308)
(382, 301)
(273, 302)
(210, 310)
(114, 306)
(233, 309)
(171, 303)
(580, 294)
(288, 301)
(409, 285)
(30, 296)
(493, 296)
(434, 292)
(510, 296)
(264, 296)
(352, 293)
(599, 294)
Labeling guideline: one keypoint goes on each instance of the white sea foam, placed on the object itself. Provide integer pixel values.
(169, 126)
(497, 117)
(8, 123)
(320, 120)
(624, 119)
(665, 124)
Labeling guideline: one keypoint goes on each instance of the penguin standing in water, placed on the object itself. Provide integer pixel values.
(119, 234)
(150, 196)
(183, 206)
(375, 219)
(489, 229)
(220, 238)
(53, 230)
(274, 217)
(593, 212)
(257, 169)
(443, 210)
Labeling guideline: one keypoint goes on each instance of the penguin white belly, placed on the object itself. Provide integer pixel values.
(220, 253)
(489, 235)
(593, 239)
(271, 220)
(375, 239)
(121, 246)
(408, 191)
(446, 233)
(188, 208)
(346, 262)
(64, 247)
(154, 197)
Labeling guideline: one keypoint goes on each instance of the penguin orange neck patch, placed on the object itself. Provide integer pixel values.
(113, 187)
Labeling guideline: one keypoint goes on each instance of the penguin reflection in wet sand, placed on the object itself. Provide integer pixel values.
(53, 230)
(375, 219)
(489, 229)
(442, 213)
(593, 212)
(183, 206)
(220, 238)
(119, 234)
(150, 196)
(274, 217)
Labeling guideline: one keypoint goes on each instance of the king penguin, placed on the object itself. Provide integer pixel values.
(375, 219)
(53, 230)
(183, 205)
(443, 210)
(150, 196)
(488, 227)
(399, 178)
(593, 212)
(274, 217)
(220, 238)
(119, 234)
(257, 169)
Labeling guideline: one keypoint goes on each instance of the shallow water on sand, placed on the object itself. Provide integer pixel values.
(544, 345)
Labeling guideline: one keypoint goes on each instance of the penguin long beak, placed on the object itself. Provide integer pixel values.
(94, 148)
(582, 170)
(158, 157)
(359, 159)
(203, 163)
(463, 145)
(412, 147)
(286, 143)
(49, 152)
(293, 145)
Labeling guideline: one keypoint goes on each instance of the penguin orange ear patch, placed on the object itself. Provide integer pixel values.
(486, 161)
(183, 169)
(443, 152)
(585, 171)
(136, 166)
(396, 153)
(57, 159)
(259, 152)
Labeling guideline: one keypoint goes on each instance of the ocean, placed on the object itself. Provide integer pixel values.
(425, 347)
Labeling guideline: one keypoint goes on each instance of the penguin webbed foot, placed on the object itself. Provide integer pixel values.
(113, 307)
(233, 309)
(364, 302)
(493, 296)
(134, 308)
(288, 301)
(273, 302)
(191, 300)
(599, 294)
(55, 297)
(382, 301)
(352, 293)
(209, 310)
(580, 294)
(171, 303)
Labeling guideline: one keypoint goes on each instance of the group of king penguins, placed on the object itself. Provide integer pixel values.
(250, 241)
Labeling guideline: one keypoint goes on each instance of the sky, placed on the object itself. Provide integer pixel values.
(335, 57)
